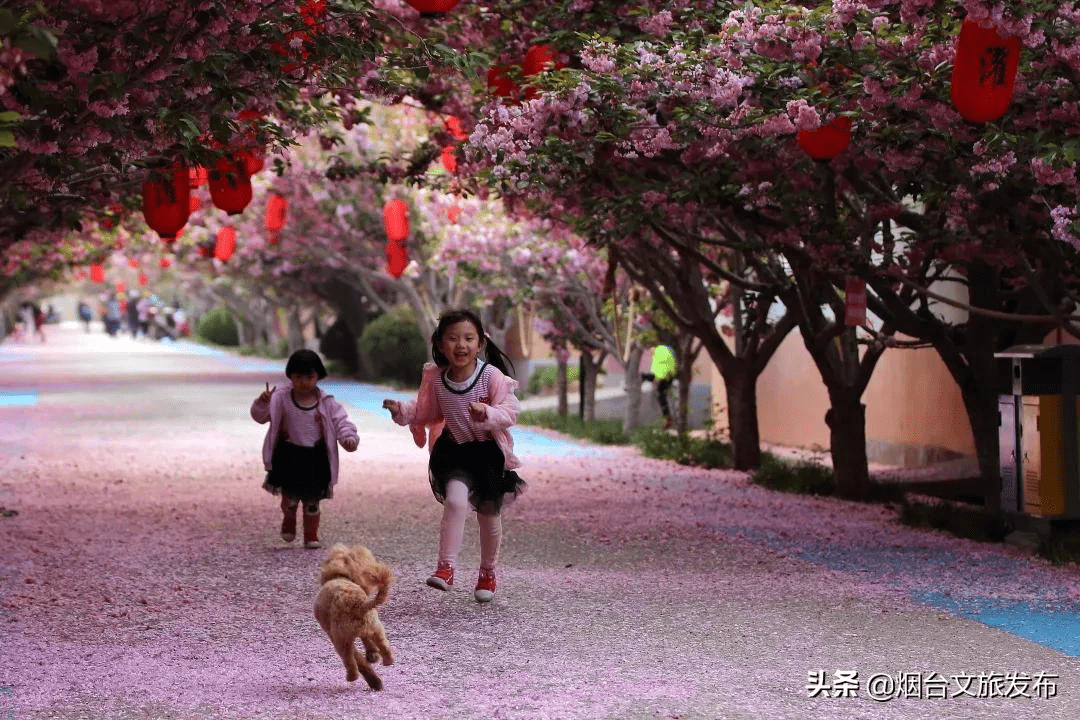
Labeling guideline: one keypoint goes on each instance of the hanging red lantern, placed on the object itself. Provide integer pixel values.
(448, 160)
(226, 244)
(453, 126)
(143, 279)
(97, 273)
(984, 72)
(538, 59)
(396, 220)
(500, 83)
(276, 207)
(827, 141)
(230, 185)
(121, 287)
(165, 263)
(397, 258)
(166, 203)
(133, 262)
(194, 203)
(432, 8)
(453, 213)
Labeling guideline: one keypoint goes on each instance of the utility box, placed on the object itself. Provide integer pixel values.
(1039, 434)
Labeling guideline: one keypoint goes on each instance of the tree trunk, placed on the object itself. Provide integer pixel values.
(590, 371)
(562, 382)
(846, 418)
(632, 386)
(741, 387)
(295, 330)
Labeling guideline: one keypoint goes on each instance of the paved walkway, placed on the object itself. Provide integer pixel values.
(141, 575)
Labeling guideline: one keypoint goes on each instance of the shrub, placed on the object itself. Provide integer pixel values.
(545, 378)
(218, 327)
(804, 476)
(395, 347)
(685, 449)
(604, 432)
(967, 522)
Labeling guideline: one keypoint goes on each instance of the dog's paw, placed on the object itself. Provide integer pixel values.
(388, 659)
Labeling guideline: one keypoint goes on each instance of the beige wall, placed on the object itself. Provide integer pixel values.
(914, 411)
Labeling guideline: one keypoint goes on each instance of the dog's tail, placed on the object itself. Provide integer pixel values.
(359, 602)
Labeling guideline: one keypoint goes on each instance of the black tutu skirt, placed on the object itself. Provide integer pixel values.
(299, 472)
(481, 465)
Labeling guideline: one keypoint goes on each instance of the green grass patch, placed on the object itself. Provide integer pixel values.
(603, 432)
(684, 449)
(804, 476)
(960, 520)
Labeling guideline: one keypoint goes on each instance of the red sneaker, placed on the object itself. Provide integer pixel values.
(485, 585)
(443, 577)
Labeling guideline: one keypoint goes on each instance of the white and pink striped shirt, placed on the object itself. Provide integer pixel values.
(454, 399)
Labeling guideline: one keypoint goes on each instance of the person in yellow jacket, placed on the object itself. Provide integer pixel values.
(662, 375)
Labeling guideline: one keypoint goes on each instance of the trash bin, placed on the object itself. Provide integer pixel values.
(1038, 408)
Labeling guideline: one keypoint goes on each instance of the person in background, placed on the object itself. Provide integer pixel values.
(662, 375)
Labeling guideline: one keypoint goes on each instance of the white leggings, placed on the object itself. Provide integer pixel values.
(452, 529)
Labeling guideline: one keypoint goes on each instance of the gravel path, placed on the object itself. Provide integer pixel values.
(142, 576)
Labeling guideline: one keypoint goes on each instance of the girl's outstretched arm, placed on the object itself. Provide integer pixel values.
(344, 429)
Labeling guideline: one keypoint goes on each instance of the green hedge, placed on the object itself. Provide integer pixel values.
(395, 348)
(218, 327)
(547, 377)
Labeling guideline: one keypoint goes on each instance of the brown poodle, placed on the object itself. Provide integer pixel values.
(353, 584)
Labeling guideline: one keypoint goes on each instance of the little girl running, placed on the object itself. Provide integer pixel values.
(300, 449)
(472, 462)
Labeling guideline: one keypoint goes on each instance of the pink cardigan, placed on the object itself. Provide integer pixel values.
(424, 412)
(333, 418)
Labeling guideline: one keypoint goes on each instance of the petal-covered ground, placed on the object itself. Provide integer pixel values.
(141, 575)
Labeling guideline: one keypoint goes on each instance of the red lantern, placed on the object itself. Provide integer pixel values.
(499, 82)
(226, 244)
(984, 72)
(133, 262)
(432, 8)
(453, 126)
(276, 206)
(97, 273)
(121, 287)
(397, 258)
(448, 160)
(538, 59)
(396, 220)
(230, 185)
(143, 279)
(166, 204)
(194, 203)
(827, 141)
(453, 213)
(165, 262)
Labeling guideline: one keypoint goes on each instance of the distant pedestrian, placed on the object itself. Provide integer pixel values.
(470, 406)
(112, 315)
(300, 450)
(133, 314)
(85, 314)
(39, 323)
(662, 375)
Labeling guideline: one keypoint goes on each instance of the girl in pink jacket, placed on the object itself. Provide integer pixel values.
(300, 448)
(467, 406)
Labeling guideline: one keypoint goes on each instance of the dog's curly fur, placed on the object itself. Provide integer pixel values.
(353, 583)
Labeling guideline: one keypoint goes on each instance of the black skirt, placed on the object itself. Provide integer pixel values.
(481, 465)
(299, 472)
